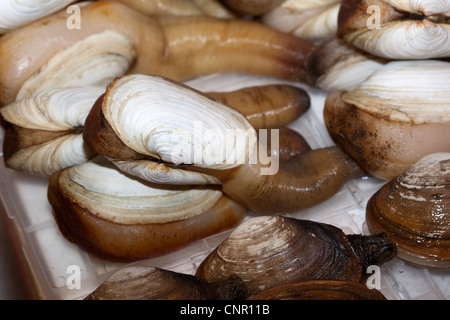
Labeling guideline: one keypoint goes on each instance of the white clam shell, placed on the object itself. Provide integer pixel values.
(94, 61)
(312, 20)
(53, 109)
(427, 7)
(46, 158)
(162, 174)
(408, 38)
(57, 109)
(414, 92)
(117, 197)
(16, 13)
(348, 74)
(174, 123)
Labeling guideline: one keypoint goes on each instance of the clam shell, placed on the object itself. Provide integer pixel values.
(16, 13)
(55, 118)
(311, 20)
(94, 61)
(268, 250)
(114, 196)
(417, 29)
(415, 92)
(152, 283)
(121, 218)
(165, 120)
(414, 208)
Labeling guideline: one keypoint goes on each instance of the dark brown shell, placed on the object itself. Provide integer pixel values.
(151, 283)
(414, 209)
(268, 250)
(320, 290)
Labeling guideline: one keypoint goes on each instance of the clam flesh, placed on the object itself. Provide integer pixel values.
(153, 283)
(414, 209)
(121, 218)
(395, 117)
(266, 251)
(397, 29)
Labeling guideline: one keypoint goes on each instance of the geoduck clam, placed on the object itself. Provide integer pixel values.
(395, 117)
(121, 218)
(43, 133)
(397, 29)
(177, 47)
(153, 119)
(414, 209)
(266, 251)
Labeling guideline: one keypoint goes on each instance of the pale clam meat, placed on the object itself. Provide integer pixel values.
(395, 117)
(119, 217)
(266, 251)
(418, 29)
(43, 132)
(16, 13)
(94, 61)
(414, 209)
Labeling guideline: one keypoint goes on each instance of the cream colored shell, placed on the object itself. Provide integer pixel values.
(16, 13)
(94, 61)
(160, 118)
(58, 109)
(312, 20)
(115, 196)
(414, 92)
(425, 38)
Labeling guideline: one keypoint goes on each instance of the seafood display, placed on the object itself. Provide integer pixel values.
(282, 149)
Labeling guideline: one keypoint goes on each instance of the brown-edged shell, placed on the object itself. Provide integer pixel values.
(152, 283)
(414, 209)
(320, 290)
(268, 250)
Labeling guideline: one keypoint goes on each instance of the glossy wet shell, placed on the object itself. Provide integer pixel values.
(265, 251)
(414, 209)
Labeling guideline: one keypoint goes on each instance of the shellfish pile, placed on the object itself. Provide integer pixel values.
(137, 161)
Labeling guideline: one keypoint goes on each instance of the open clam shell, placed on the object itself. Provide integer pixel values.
(414, 208)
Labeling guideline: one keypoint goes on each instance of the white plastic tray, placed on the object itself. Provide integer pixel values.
(49, 256)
